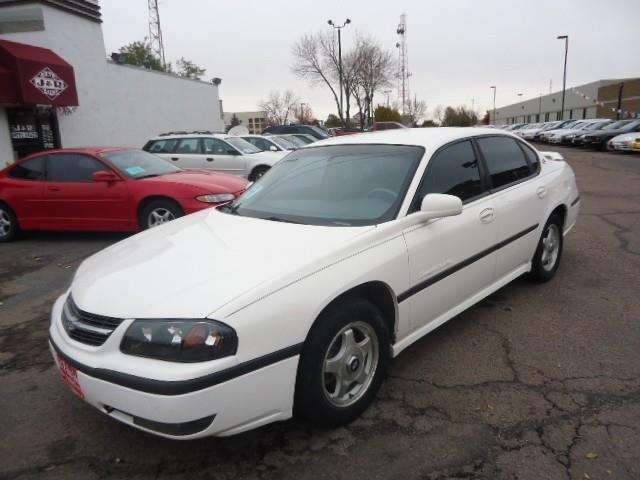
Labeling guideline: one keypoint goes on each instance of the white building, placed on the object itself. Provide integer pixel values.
(254, 121)
(58, 89)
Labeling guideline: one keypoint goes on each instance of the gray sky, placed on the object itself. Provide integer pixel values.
(457, 48)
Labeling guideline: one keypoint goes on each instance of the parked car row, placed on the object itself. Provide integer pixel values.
(597, 133)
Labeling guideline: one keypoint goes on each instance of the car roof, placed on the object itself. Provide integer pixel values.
(85, 150)
(430, 138)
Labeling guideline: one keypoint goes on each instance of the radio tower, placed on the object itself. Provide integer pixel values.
(403, 63)
(155, 34)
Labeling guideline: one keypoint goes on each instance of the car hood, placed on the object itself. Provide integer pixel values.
(207, 181)
(191, 267)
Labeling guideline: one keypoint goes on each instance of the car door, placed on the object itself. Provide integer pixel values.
(23, 188)
(519, 195)
(451, 259)
(188, 154)
(221, 156)
(73, 200)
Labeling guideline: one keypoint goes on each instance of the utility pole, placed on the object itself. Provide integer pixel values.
(403, 63)
(302, 112)
(564, 77)
(494, 104)
(618, 112)
(339, 28)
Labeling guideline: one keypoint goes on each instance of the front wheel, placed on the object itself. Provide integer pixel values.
(546, 260)
(158, 212)
(343, 363)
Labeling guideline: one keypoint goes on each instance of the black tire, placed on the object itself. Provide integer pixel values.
(159, 208)
(258, 172)
(9, 226)
(542, 269)
(311, 397)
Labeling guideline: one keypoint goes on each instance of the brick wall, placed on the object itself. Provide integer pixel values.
(609, 95)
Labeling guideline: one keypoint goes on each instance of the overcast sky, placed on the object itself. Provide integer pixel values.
(457, 48)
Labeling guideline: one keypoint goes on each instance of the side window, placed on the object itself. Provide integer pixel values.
(532, 157)
(188, 145)
(505, 160)
(72, 167)
(454, 171)
(30, 170)
(214, 146)
(162, 146)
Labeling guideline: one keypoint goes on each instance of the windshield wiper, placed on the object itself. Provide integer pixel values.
(279, 219)
(150, 175)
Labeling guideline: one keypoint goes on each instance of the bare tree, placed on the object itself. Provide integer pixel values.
(279, 106)
(304, 114)
(416, 110)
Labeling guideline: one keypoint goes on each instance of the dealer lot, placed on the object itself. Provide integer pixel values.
(538, 381)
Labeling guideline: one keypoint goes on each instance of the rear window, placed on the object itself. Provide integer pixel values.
(505, 160)
(30, 170)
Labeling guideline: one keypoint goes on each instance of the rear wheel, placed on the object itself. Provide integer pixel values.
(343, 363)
(258, 172)
(546, 260)
(158, 212)
(9, 226)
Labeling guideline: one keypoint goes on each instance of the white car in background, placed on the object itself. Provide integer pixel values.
(269, 143)
(530, 130)
(298, 294)
(565, 135)
(626, 142)
(214, 151)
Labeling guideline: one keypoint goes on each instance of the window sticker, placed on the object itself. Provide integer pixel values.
(135, 170)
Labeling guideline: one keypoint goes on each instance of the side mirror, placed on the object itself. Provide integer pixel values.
(273, 148)
(104, 176)
(438, 205)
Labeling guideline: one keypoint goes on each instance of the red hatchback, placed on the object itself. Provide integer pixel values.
(104, 189)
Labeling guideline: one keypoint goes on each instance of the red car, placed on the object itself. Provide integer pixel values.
(104, 189)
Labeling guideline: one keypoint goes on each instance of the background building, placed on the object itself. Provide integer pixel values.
(58, 89)
(600, 99)
(254, 121)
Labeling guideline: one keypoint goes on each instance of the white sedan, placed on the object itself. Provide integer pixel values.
(626, 142)
(297, 295)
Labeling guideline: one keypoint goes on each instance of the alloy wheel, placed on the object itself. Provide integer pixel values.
(5, 223)
(550, 247)
(159, 216)
(350, 364)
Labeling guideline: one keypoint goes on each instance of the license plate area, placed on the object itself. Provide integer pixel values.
(69, 375)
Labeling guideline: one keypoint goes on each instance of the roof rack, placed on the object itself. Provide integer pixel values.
(194, 132)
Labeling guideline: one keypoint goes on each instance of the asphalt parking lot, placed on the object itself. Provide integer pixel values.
(536, 382)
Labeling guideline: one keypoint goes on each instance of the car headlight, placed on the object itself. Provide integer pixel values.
(180, 340)
(216, 198)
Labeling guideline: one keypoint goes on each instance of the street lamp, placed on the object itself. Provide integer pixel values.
(564, 77)
(339, 28)
(494, 104)
(302, 112)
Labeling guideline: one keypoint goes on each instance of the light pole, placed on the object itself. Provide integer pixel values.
(387, 92)
(494, 104)
(302, 112)
(564, 77)
(339, 28)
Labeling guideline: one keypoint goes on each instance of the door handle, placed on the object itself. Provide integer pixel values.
(541, 192)
(210, 159)
(487, 215)
(54, 189)
(175, 159)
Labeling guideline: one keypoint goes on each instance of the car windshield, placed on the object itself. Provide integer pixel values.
(307, 139)
(139, 164)
(341, 185)
(616, 125)
(319, 131)
(283, 142)
(296, 141)
(597, 126)
(242, 145)
(630, 125)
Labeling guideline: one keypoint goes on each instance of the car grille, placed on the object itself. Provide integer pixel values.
(87, 328)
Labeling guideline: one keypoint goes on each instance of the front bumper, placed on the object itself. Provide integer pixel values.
(183, 409)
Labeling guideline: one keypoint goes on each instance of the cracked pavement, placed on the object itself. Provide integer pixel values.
(535, 382)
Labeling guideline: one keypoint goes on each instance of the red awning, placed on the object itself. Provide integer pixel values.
(35, 76)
